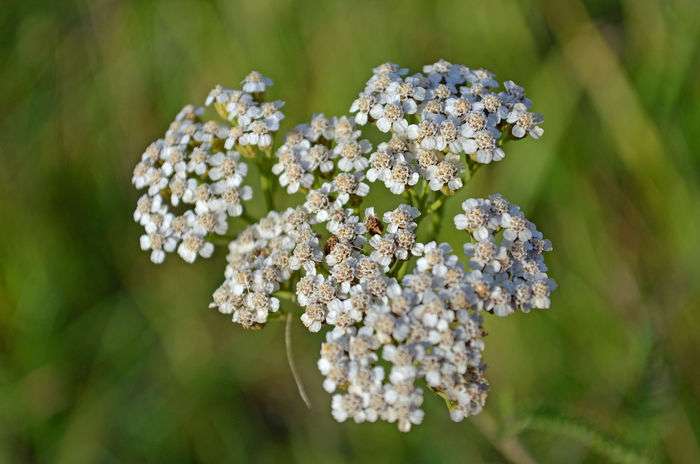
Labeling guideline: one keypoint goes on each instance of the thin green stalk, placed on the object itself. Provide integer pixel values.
(285, 295)
(395, 267)
(437, 217)
(290, 361)
(436, 205)
(402, 271)
(266, 185)
(219, 240)
(248, 218)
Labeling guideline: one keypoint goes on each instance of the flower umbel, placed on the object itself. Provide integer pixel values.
(402, 315)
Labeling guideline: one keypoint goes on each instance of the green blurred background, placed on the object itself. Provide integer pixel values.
(105, 357)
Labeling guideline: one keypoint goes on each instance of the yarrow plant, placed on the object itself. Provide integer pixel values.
(401, 315)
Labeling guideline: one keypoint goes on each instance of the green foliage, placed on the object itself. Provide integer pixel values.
(105, 357)
(585, 434)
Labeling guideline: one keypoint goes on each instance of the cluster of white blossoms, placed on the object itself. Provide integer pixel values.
(260, 259)
(193, 185)
(435, 116)
(357, 259)
(193, 176)
(402, 313)
(312, 152)
(426, 329)
(254, 121)
(509, 273)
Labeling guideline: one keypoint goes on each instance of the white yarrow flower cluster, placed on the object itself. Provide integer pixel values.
(401, 316)
(312, 151)
(193, 185)
(428, 332)
(350, 277)
(509, 273)
(259, 261)
(435, 117)
(254, 121)
(394, 165)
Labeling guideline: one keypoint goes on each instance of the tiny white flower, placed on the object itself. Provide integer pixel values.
(525, 122)
(256, 82)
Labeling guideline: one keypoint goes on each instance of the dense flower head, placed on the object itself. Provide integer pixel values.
(193, 176)
(424, 331)
(401, 312)
(312, 151)
(192, 184)
(259, 260)
(254, 121)
(513, 266)
(447, 109)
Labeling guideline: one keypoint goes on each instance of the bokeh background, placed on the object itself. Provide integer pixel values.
(105, 357)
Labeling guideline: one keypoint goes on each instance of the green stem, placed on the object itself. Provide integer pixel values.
(438, 216)
(425, 210)
(267, 184)
(395, 267)
(402, 271)
(437, 205)
(290, 361)
(413, 198)
(220, 240)
(247, 217)
(267, 191)
(285, 295)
